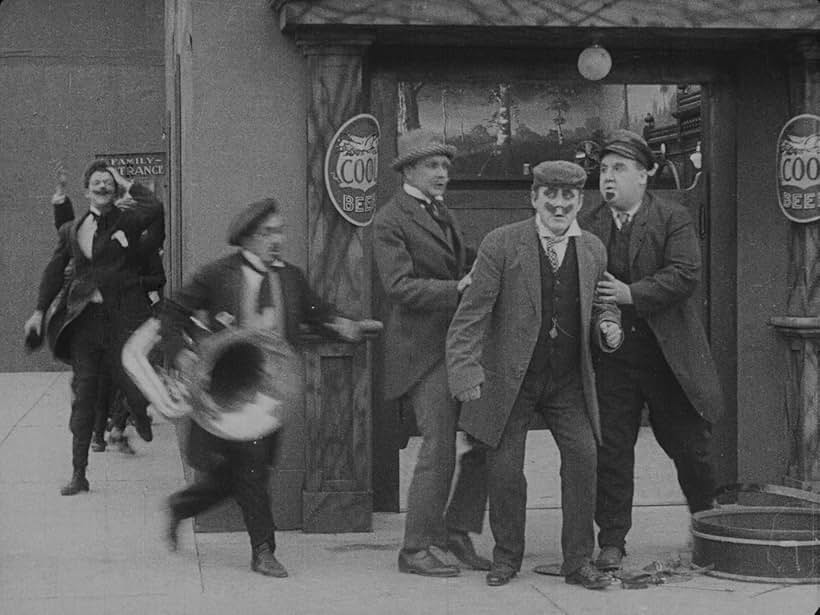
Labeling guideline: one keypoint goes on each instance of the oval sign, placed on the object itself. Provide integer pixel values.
(352, 168)
(798, 168)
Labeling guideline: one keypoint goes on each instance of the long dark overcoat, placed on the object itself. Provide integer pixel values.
(665, 266)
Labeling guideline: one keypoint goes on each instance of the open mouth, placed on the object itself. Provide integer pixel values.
(609, 195)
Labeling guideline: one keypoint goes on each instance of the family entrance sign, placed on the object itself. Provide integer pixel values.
(351, 169)
(798, 168)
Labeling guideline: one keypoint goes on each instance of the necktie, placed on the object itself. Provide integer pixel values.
(438, 213)
(265, 298)
(623, 218)
(552, 253)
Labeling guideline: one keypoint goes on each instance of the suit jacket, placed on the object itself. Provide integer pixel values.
(217, 288)
(419, 270)
(495, 328)
(665, 267)
(113, 269)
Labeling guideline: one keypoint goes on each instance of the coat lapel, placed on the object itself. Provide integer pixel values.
(586, 268)
(530, 259)
(417, 213)
(639, 228)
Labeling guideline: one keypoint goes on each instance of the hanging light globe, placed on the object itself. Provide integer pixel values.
(594, 62)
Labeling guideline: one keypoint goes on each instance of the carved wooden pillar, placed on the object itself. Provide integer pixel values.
(801, 326)
(337, 494)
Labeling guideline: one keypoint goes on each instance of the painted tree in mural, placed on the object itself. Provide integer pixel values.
(501, 153)
(408, 106)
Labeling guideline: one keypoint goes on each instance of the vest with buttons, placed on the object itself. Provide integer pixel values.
(560, 299)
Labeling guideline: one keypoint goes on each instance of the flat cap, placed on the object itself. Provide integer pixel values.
(246, 221)
(419, 143)
(558, 173)
(629, 145)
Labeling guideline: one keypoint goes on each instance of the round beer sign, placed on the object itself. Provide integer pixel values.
(351, 169)
(798, 168)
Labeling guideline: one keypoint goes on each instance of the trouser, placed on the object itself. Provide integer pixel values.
(96, 339)
(561, 403)
(238, 470)
(683, 434)
(429, 518)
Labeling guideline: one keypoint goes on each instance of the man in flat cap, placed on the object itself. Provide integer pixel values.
(520, 343)
(664, 362)
(251, 288)
(422, 263)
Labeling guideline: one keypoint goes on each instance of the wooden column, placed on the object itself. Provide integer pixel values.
(337, 493)
(801, 326)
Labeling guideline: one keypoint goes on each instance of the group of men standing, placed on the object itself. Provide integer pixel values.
(582, 320)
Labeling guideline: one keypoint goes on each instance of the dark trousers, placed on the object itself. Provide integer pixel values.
(230, 469)
(683, 434)
(427, 523)
(561, 403)
(96, 339)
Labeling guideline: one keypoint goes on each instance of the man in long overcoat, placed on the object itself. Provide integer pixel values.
(664, 362)
(520, 343)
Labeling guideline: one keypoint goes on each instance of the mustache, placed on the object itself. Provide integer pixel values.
(559, 209)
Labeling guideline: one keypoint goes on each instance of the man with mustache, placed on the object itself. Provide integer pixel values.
(421, 259)
(104, 301)
(112, 407)
(664, 362)
(520, 343)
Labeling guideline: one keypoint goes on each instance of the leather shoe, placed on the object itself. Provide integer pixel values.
(462, 547)
(609, 558)
(143, 426)
(589, 577)
(425, 564)
(264, 562)
(77, 483)
(98, 443)
(499, 575)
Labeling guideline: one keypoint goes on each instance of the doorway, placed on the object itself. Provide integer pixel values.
(504, 120)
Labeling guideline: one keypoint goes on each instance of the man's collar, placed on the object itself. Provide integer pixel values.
(256, 263)
(94, 211)
(573, 231)
(417, 194)
(631, 211)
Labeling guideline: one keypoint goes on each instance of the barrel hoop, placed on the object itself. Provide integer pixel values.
(787, 544)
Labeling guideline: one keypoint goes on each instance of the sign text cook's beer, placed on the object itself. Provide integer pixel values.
(798, 168)
(351, 169)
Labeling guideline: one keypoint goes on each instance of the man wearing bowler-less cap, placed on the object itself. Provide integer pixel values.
(664, 362)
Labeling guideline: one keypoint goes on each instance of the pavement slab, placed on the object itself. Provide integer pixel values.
(102, 552)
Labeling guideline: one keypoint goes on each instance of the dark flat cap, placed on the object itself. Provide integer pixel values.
(419, 143)
(629, 145)
(247, 220)
(558, 173)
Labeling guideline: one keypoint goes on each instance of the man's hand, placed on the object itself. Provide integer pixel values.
(612, 333)
(34, 324)
(345, 328)
(470, 394)
(59, 191)
(464, 283)
(124, 199)
(612, 290)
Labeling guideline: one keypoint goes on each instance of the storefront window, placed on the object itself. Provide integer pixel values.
(501, 130)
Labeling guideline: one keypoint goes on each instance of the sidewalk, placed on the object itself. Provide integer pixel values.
(101, 553)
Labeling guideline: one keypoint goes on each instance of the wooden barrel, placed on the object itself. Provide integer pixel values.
(764, 544)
